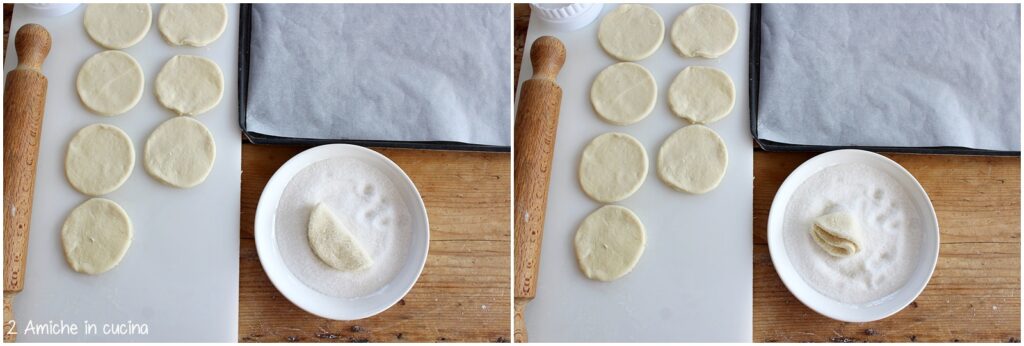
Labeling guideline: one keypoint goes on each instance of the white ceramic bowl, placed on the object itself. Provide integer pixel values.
(309, 299)
(881, 308)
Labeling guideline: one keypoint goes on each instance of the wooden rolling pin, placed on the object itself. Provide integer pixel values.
(24, 100)
(540, 99)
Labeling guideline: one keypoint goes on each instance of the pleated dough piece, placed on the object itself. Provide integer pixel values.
(96, 235)
(180, 152)
(117, 26)
(693, 159)
(631, 32)
(110, 82)
(839, 234)
(189, 85)
(613, 167)
(194, 25)
(624, 93)
(333, 243)
(609, 243)
(704, 31)
(701, 94)
(100, 158)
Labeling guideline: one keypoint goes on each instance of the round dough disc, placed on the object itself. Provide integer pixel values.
(613, 167)
(189, 84)
(701, 94)
(100, 158)
(704, 31)
(117, 26)
(110, 82)
(96, 235)
(693, 159)
(333, 243)
(624, 93)
(609, 243)
(194, 25)
(180, 152)
(631, 32)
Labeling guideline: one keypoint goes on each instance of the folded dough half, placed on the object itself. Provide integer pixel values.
(334, 243)
(838, 233)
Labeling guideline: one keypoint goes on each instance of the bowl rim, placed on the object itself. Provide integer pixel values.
(792, 279)
(273, 263)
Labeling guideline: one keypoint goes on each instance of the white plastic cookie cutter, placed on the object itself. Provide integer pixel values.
(52, 10)
(567, 17)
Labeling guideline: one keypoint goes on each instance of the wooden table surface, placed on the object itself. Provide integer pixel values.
(974, 294)
(464, 292)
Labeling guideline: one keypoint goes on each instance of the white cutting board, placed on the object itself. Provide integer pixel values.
(180, 275)
(694, 280)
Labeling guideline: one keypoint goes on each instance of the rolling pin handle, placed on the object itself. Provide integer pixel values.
(547, 56)
(519, 334)
(536, 122)
(9, 335)
(24, 103)
(32, 42)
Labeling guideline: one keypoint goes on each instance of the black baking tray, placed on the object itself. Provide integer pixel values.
(244, 40)
(754, 79)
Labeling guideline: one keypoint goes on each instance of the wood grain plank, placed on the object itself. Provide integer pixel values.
(464, 291)
(974, 294)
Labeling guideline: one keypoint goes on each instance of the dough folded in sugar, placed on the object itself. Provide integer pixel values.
(334, 243)
(838, 233)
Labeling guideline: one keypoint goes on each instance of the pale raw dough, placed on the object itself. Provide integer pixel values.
(609, 243)
(194, 25)
(631, 32)
(117, 26)
(693, 159)
(110, 82)
(704, 31)
(333, 243)
(701, 94)
(838, 233)
(624, 93)
(613, 167)
(180, 152)
(189, 85)
(100, 158)
(96, 235)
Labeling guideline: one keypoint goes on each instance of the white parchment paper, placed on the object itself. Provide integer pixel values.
(395, 72)
(919, 75)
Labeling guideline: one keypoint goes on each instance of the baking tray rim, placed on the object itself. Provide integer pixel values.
(754, 75)
(244, 41)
